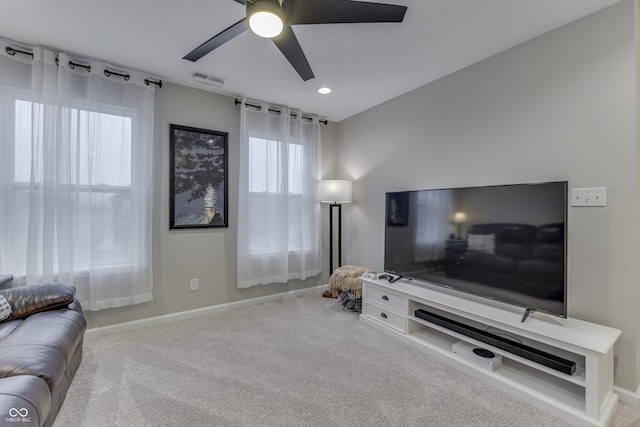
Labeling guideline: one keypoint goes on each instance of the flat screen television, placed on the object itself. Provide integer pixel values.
(503, 242)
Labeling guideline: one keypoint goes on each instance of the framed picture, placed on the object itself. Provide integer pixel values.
(198, 173)
(398, 208)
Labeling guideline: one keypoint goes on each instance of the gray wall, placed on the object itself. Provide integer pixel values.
(559, 107)
(209, 255)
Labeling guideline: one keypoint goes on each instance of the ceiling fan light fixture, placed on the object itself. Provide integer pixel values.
(265, 18)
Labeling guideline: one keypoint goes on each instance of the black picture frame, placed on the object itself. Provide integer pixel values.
(198, 178)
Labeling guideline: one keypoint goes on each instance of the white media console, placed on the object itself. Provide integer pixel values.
(584, 398)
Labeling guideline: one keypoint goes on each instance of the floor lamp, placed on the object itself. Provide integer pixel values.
(459, 218)
(336, 192)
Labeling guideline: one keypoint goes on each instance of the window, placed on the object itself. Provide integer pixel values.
(278, 209)
(76, 167)
(429, 239)
(97, 180)
(265, 170)
(268, 161)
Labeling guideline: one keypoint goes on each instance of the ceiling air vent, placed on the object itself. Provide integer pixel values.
(207, 79)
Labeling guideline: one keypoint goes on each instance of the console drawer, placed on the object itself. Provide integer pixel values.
(384, 298)
(385, 316)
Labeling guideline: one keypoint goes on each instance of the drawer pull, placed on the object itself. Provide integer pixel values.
(384, 316)
(384, 297)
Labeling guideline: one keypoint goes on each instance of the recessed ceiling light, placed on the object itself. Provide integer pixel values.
(324, 91)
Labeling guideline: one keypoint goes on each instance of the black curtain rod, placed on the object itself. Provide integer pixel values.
(151, 82)
(277, 111)
(11, 51)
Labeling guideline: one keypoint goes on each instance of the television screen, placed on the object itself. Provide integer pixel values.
(504, 242)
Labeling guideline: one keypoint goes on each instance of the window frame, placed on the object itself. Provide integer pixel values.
(292, 196)
(10, 97)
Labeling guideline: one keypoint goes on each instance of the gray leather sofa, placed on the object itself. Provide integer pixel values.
(40, 352)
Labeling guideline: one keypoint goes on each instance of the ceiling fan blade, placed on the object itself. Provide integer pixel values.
(242, 2)
(218, 40)
(288, 44)
(341, 12)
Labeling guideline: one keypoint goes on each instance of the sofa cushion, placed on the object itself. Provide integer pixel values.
(7, 327)
(515, 250)
(27, 300)
(550, 233)
(550, 242)
(42, 345)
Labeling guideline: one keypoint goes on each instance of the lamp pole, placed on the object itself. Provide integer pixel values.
(331, 233)
(335, 192)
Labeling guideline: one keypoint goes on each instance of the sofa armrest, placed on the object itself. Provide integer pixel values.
(25, 400)
(75, 306)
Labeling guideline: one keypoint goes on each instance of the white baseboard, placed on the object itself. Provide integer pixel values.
(628, 397)
(190, 314)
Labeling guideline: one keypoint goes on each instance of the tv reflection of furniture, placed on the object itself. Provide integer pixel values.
(522, 257)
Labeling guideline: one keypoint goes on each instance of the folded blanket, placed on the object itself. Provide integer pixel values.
(347, 278)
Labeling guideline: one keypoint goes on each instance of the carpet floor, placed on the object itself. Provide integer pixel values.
(298, 362)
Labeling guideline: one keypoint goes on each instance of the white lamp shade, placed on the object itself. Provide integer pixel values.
(335, 191)
(459, 217)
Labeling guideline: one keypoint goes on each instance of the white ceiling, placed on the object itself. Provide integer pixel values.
(364, 64)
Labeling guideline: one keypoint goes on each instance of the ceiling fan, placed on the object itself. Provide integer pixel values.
(280, 15)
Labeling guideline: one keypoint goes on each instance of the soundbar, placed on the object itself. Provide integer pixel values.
(535, 355)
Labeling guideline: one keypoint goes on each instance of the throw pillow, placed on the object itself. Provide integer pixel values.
(27, 300)
(482, 243)
(5, 308)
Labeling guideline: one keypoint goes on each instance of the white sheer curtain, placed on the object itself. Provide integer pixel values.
(75, 176)
(433, 214)
(278, 208)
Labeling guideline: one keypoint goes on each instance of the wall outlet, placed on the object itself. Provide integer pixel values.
(194, 284)
(589, 196)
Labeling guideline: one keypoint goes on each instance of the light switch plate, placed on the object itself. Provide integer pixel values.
(589, 196)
